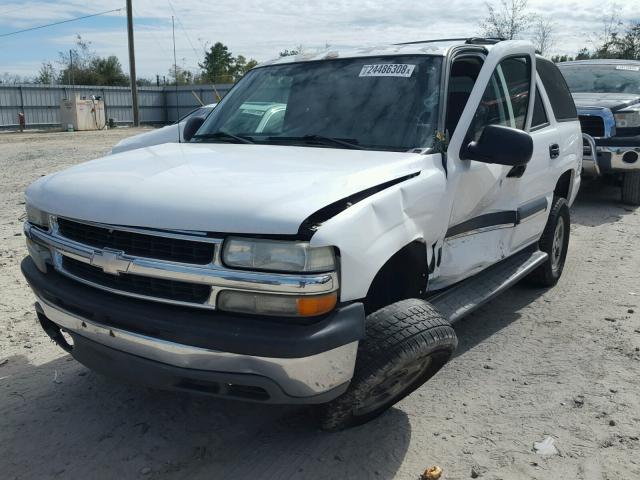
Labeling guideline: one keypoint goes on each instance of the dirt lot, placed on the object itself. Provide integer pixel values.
(563, 363)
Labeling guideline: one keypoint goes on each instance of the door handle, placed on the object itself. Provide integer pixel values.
(554, 150)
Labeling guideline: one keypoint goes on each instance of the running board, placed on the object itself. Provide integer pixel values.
(463, 298)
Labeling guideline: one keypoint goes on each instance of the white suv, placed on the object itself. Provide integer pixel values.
(321, 259)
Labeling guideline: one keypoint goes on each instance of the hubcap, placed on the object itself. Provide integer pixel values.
(558, 246)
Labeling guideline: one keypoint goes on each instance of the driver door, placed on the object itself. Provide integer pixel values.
(483, 207)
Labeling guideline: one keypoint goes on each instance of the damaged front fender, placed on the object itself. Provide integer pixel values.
(372, 230)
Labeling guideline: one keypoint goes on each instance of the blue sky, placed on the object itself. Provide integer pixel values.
(261, 29)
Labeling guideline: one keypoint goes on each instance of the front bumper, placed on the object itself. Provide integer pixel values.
(619, 158)
(615, 154)
(208, 352)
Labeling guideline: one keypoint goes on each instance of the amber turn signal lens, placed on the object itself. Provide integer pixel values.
(316, 305)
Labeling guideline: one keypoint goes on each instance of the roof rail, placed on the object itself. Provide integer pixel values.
(434, 40)
(484, 40)
(468, 40)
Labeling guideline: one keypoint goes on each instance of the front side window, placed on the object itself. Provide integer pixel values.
(462, 78)
(379, 103)
(506, 98)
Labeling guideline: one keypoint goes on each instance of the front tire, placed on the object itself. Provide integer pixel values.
(405, 345)
(554, 242)
(631, 188)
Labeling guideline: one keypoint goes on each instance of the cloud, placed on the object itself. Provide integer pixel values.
(261, 29)
(19, 15)
(24, 69)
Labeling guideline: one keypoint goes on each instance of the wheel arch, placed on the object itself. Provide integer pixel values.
(404, 275)
(564, 185)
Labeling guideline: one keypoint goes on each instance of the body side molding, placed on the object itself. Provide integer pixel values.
(499, 219)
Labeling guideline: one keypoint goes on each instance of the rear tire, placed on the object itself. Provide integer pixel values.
(405, 345)
(631, 188)
(554, 242)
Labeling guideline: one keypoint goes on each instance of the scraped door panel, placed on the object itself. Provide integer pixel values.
(534, 189)
(484, 208)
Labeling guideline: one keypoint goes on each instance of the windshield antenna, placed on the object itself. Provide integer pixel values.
(175, 73)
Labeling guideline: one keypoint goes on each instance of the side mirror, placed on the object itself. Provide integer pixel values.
(191, 127)
(501, 145)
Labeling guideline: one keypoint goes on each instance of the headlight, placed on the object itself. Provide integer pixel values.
(277, 255)
(281, 305)
(37, 217)
(628, 118)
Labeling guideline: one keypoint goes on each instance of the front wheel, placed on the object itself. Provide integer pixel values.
(631, 188)
(554, 242)
(405, 345)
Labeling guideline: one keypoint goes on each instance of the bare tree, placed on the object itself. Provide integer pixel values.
(543, 34)
(7, 78)
(508, 19)
(624, 45)
(610, 24)
(47, 74)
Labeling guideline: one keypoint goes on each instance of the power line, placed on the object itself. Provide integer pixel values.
(61, 22)
(184, 30)
(150, 30)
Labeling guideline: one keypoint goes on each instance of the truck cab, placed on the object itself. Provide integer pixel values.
(607, 94)
(322, 258)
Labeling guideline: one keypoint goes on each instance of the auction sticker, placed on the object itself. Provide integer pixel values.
(387, 70)
(631, 68)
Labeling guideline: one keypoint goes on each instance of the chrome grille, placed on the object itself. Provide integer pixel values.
(138, 244)
(126, 260)
(137, 284)
(592, 125)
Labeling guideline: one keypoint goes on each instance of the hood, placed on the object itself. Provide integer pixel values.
(168, 134)
(612, 101)
(231, 188)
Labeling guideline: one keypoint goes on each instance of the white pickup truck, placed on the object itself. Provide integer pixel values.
(321, 260)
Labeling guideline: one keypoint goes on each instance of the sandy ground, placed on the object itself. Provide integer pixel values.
(563, 363)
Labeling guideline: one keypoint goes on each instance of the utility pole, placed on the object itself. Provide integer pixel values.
(175, 67)
(70, 67)
(132, 66)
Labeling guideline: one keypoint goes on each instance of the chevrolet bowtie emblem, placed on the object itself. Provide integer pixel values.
(110, 261)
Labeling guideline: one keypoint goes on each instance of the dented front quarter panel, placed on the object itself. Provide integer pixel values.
(371, 231)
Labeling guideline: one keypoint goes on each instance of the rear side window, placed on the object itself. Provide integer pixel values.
(557, 90)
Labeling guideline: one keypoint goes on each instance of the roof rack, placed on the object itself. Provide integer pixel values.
(468, 40)
(485, 40)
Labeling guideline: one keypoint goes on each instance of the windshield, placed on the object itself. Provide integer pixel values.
(380, 103)
(602, 78)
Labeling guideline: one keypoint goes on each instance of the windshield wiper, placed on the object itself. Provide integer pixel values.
(224, 135)
(350, 143)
